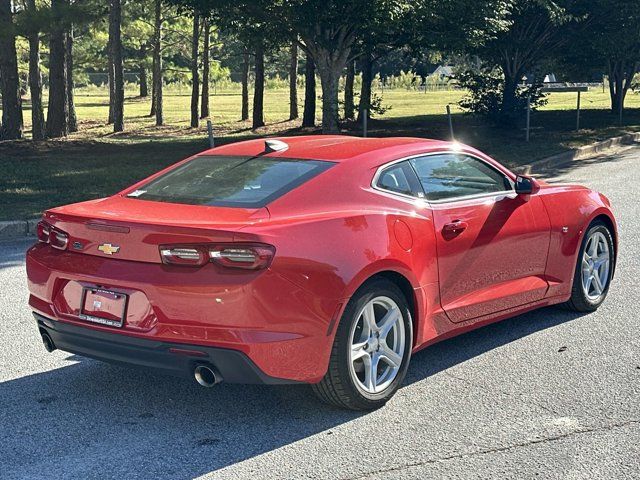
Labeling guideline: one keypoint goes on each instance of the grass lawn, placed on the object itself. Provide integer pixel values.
(95, 162)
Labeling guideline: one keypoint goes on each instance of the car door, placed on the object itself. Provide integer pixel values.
(492, 244)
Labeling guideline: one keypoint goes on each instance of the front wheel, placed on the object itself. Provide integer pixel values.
(594, 269)
(371, 351)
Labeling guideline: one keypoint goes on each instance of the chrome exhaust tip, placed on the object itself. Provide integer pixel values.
(48, 342)
(206, 376)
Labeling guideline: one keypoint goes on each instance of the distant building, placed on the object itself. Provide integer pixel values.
(443, 71)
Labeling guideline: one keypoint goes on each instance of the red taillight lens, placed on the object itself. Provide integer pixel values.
(43, 230)
(53, 236)
(249, 257)
(58, 239)
(244, 256)
(188, 256)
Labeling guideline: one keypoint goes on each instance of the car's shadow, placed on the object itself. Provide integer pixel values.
(90, 418)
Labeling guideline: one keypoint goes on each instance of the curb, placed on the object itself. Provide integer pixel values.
(579, 153)
(14, 229)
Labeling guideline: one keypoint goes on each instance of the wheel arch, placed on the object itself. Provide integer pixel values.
(411, 294)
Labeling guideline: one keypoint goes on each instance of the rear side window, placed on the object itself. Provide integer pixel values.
(247, 182)
(400, 178)
(450, 176)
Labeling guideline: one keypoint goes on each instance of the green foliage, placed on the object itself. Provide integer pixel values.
(485, 96)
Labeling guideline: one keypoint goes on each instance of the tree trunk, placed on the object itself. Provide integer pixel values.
(349, 106)
(73, 118)
(293, 82)
(115, 22)
(245, 86)
(206, 60)
(309, 113)
(144, 83)
(157, 101)
(509, 109)
(58, 110)
(258, 91)
(621, 76)
(38, 126)
(365, 89)
(9, 82)
(152, 111)
(195, 80)
(330, 64)
(110, 74)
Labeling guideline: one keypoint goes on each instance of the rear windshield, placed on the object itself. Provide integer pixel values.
(249, 182)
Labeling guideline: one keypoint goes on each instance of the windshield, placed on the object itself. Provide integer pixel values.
(249, 182)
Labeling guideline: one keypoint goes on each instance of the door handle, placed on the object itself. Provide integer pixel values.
(455, 227)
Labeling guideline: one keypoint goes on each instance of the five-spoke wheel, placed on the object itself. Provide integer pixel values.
(371, 350)
(594, 269)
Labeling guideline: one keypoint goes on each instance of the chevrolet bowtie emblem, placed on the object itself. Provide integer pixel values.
(109, 249)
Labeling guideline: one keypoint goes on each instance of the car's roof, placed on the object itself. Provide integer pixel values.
(335, 148)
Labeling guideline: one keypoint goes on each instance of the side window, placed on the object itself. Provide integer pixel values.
(448, 176)
(400, 178)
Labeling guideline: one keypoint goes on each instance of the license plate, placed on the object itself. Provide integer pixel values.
(103, 306)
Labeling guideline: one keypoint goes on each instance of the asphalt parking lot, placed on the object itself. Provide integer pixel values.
(549, 394)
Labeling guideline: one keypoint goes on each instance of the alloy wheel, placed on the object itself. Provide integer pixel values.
(377, 345)
(596, 262)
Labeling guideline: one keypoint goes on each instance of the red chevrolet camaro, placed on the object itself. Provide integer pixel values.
(325, 260)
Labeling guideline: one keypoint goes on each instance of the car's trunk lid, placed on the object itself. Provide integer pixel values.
(133, 229)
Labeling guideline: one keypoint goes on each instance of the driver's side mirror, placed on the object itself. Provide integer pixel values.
(526, 185)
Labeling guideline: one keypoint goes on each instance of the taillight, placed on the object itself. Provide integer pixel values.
(250, 257)
(194, 256)
(43, 229)
(244, 256)
(53, 236)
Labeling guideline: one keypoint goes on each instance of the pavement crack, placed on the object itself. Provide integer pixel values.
(502, 392)
(506, 448)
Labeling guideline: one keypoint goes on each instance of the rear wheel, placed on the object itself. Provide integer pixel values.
(371, 350)
(594, 269)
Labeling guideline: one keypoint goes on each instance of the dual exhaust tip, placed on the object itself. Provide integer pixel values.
(204, 374)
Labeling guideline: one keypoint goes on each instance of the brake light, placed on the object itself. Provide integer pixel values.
(243, 256)
(194, 256)
(51, 235)
(42, 230)
(249, 257)
(58, 239)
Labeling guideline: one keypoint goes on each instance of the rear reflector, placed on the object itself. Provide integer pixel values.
(243, 256)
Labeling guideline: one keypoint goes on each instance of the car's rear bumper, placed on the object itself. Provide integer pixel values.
(169, 358)
(281, 328)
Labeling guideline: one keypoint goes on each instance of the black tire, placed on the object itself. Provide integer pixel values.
(338, 387)
(579, 301)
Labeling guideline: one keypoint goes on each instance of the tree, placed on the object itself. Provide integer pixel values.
(116, 98)
(258, 89)
(349, 104)
(195, 79)
(531, 32)
(158, 81)
(206, 69)
(73, 119)
(309, 113)
(58, 111)
(608, 39)
(293, 82)
(38, 126)
(245, 85)
(9, 81)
